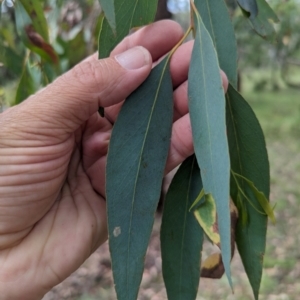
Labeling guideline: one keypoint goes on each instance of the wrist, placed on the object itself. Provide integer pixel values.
(13, 294)
(13, 290)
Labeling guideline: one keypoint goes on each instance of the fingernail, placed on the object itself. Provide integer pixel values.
(133, 58)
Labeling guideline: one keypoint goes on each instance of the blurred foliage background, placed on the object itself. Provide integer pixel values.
(269, 80)
(73, 28)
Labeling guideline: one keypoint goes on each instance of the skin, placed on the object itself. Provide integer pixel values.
(53, 150)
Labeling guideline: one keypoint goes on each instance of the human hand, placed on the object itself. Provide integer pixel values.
(53, 150)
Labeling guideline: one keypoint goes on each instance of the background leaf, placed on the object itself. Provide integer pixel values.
(35, 11)
(135, 168)
(129, 14)
(215, 16)
(181, 236)
(108, 6)
(262, 24)
(249, 7)
(32, 39)
(249, 158)
(26, 85)
(207, 112)
(11, 59)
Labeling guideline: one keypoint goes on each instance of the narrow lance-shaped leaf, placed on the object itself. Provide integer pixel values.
(135, 168)
(108, 6)
(249, 158)
(11, 59)
(216, 18)
(206, 215)
(207, 112)
(199, 200)
(32, 39)
(35, 11)
(249, 7)
(128, 14)
(213, 266)
(181, 236)
(1, 9)
(260, 197)
(262, 24)
(26, 85)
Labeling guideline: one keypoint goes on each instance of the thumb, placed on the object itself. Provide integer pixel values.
(71, 99)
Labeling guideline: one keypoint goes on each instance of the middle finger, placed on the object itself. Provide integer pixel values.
(179, 66)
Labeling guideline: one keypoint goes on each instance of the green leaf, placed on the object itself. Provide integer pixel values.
(108, 6)
(212, 266)
(262, 24)
(181, 236)
(26, 85)
(261, 198)
(216, 18)
(49, 73)
(249, 158)
(31, 40)
(206, 215)
(35, 11)
(199, 200)
(249, 7)
(129, 14)
(207, 112)
(11, 60)
(136, 161)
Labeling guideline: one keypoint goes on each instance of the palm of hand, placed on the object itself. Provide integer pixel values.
(57, 215)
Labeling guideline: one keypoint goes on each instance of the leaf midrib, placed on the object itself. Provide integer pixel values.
(210, 20)
(205, 93)
(235, 134)
(139, 166)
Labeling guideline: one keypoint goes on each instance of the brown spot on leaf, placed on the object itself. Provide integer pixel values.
(33, 14)
(213, 267)
(216, 227)
(36, 40)
(261, 257)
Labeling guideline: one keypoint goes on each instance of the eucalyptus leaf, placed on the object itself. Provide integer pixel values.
(11, 59)
(206, 215)
(249, 158)
(212, 266)
(263, 23)
(136, 161)
(261, 198)
(26, 86)
(207, 113)
(128, 14)
(34, 9)
(181, 236)
(199, 200)
(30, 38)
(216, 18)
(249, 7)
(108, 6)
